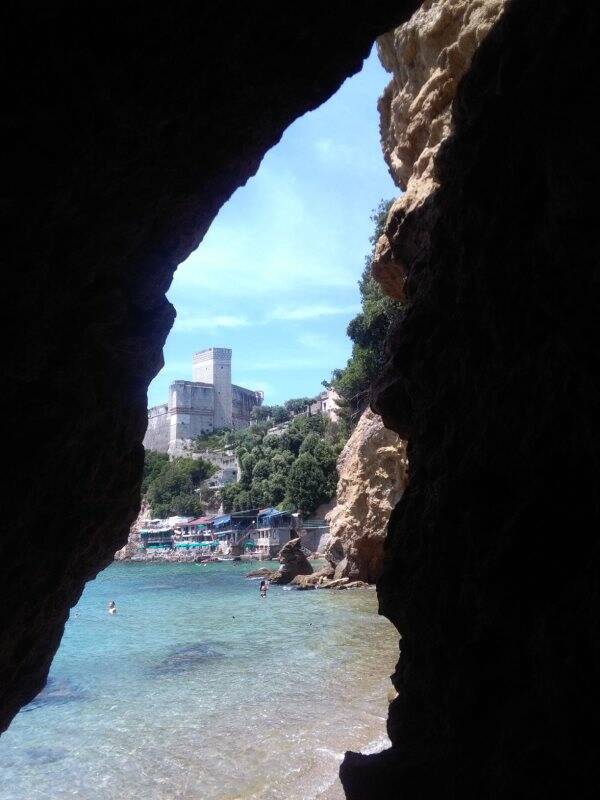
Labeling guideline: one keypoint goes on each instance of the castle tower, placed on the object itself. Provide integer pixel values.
(214, 366)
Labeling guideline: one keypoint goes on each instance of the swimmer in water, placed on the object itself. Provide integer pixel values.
(112, 607)
(263, 588)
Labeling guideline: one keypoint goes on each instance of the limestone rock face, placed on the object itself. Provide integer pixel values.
(372, 471)
(133, 547)
(427, 57)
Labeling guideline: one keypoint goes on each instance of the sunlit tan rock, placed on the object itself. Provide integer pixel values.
(372, 471)
(427, 57)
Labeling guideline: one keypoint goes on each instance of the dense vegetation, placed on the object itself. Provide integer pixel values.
(295, 470)
(368, 331)
(278, 414)
(170, 487)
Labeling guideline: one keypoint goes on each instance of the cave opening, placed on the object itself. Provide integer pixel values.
(274, 281)
(129, 127)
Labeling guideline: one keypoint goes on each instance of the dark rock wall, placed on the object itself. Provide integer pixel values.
(492, 568)
(126, 126)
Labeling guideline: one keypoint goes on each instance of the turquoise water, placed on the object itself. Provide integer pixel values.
(197, 689)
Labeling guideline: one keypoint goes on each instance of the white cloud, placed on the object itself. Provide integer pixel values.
(312, 311)
(316, 341)
(194, 322)
(338, 153)
(271, 237)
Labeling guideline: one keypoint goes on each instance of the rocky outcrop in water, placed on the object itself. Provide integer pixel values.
(293, 562)
(134, 548)
(372, 470)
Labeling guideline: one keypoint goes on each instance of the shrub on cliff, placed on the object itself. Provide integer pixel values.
(368, 332)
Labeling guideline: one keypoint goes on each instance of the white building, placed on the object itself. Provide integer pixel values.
(327, 404)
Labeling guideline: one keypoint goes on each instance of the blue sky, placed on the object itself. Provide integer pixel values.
(275, 277)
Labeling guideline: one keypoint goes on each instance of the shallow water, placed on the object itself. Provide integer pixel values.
(197, 689)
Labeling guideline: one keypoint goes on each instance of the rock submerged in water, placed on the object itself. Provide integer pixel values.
(56, 692)
(188, 657)
(296, 570)
(263, 572)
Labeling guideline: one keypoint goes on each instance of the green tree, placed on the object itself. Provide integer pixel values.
(229, 494)
(247, 463)
(154, 463)
(261, 469)
(297, 404)
(272, 414)
(173, 490)
(277, 487)
(242, 501)
(306, 485)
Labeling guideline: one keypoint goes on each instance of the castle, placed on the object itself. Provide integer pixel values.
(206, 403)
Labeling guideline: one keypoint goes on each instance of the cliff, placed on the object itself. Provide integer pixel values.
(491, 563)
(372, 470)
(133, 545)
(427, 57)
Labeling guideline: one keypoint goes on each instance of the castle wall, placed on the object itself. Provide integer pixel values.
(243, 401)
(190, 409)
(158, 431)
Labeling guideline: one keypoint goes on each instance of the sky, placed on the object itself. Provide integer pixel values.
(275, 278)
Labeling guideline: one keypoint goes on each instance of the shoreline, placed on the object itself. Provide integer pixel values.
(204, 662)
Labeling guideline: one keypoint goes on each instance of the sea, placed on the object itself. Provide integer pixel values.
(199, 689)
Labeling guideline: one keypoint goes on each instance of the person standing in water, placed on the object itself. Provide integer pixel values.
(112, 607)
(263, 588)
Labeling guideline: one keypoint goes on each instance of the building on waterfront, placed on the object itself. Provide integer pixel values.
(159, 533)
(207, 403)
(272, 530)
(254, 533)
